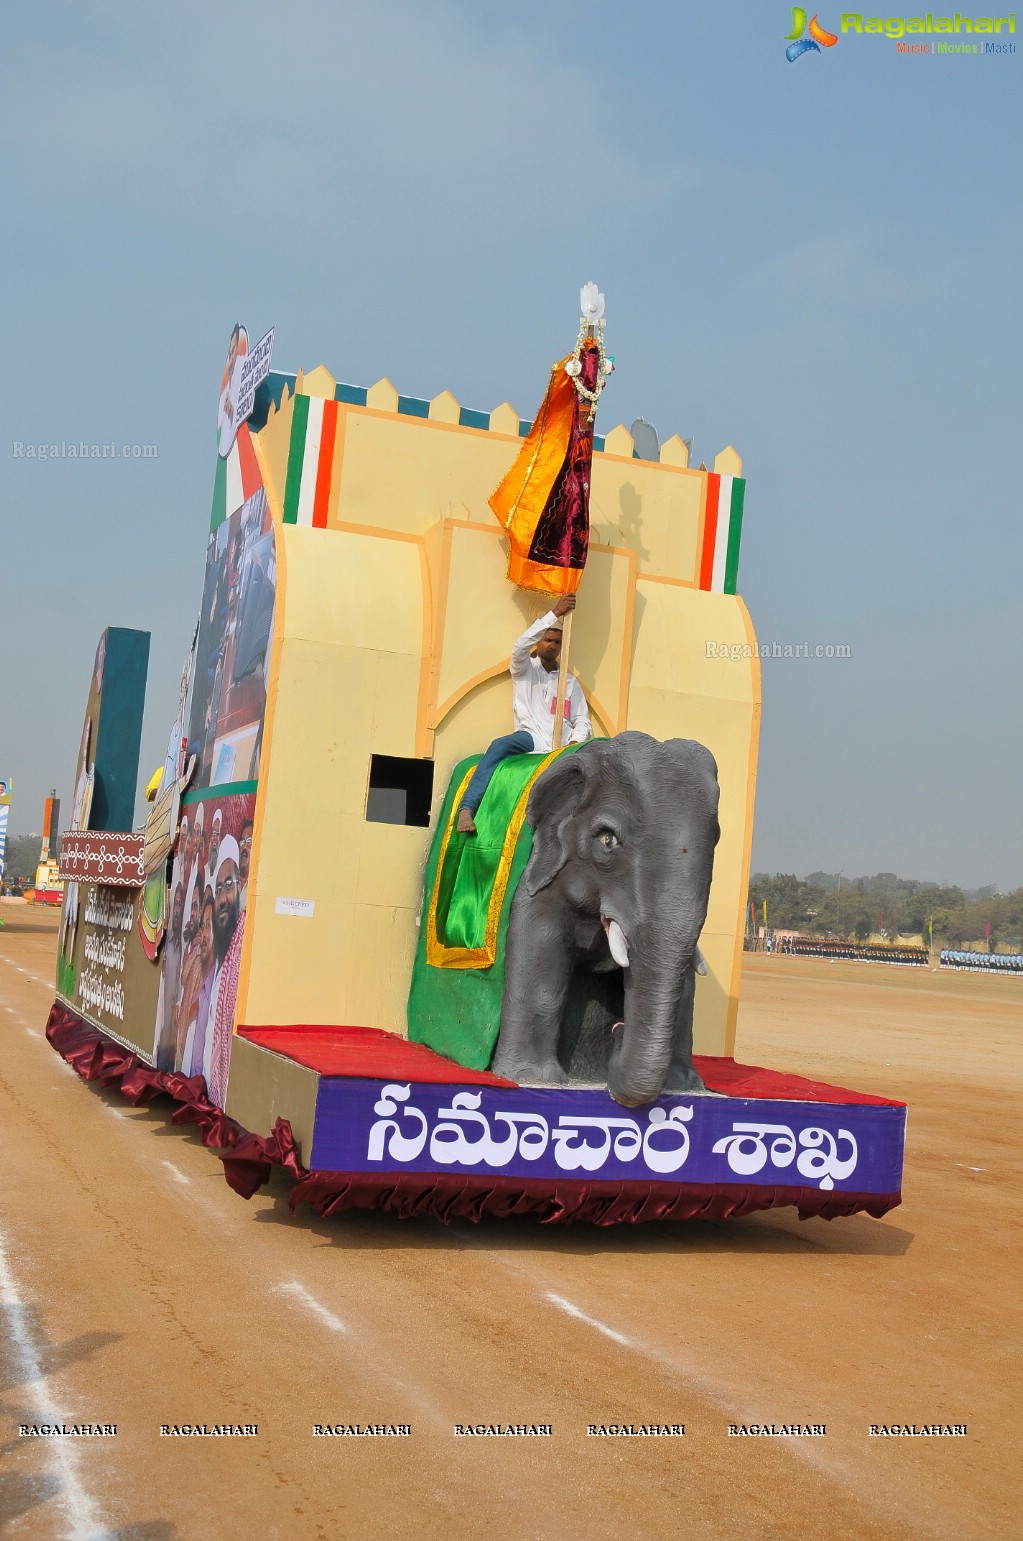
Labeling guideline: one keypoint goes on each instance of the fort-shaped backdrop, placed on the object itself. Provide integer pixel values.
(391, 636)
(352, 647)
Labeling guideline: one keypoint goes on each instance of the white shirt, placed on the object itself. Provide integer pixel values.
(535, 693)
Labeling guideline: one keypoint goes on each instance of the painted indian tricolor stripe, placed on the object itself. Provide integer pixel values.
(310, 461)
(722, 531)
(237, 478)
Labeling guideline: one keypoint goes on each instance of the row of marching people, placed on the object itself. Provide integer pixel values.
(985, 962)
(868, 952)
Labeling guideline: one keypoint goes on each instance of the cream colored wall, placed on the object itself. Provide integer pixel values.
(472, 634)
(347, 686)
(400, 645)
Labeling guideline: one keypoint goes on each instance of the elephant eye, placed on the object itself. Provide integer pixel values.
(609, 839)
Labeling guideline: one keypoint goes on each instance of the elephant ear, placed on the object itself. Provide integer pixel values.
(552, 803)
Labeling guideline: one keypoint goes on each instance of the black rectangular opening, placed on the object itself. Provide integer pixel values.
(400, 791)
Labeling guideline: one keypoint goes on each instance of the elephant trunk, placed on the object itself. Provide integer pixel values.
(642, 1048)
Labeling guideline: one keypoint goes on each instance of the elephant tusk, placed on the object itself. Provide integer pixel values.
(617, 942)
(699, 961)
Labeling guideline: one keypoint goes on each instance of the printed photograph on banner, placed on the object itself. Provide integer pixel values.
(81, 807)
(104, 972)
(230, 381)
(202, 949)
(245, 370)
(232, 657)
(5, 804)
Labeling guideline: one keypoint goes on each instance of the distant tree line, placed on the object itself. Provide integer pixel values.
(829, 904)
(821, 904)
(21, 857)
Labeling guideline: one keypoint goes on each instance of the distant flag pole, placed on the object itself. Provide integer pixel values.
(930, 928)
(543, 503)
(765, 912)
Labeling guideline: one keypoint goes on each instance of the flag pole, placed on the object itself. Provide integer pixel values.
(559, 709)
(587, 411)
(592, 305)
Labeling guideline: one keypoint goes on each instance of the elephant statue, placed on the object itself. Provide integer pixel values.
(602, 936)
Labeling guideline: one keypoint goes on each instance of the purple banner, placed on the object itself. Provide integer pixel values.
(389, 1126)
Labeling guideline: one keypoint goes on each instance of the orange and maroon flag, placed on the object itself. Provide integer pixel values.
(544, 501)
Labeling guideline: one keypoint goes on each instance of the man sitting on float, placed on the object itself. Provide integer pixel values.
(534, 672)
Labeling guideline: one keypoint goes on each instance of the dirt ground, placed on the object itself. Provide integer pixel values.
(139, 1290)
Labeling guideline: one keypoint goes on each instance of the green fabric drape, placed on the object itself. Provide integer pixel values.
(457, 1011)
(470, 865)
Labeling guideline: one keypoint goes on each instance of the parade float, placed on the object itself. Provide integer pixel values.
(6, 794)
(48, 887)
(301, 948)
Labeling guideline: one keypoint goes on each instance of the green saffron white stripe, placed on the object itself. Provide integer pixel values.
(726, 534)
(232, 464)
(310, 461)
(734, 533)
(717, 577)
(299, 423)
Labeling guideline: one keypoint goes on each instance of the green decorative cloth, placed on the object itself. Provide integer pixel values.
(471, 862)
(455, 1007)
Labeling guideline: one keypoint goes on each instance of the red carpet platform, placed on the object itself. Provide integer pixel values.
(372, 1053)
(382, 1123)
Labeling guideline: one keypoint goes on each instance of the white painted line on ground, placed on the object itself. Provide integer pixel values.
(708, 1384)
(379, 1354)
(177, 1176)
(84, 1518)
(302, 1295)
(591, 1321)
(810, 1450)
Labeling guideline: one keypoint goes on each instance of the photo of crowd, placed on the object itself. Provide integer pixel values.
(233, 647)
(202, 949)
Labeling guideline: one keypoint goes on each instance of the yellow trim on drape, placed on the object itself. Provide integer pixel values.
(438, 955)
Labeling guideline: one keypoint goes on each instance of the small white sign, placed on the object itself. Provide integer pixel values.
(255, 367)
(294, 906)
(245, 370)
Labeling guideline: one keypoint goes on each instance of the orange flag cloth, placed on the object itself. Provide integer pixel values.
(544, 501)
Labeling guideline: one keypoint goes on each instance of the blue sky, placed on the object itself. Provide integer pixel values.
(817, 262)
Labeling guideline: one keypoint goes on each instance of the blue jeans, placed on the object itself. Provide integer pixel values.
(513, 743)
